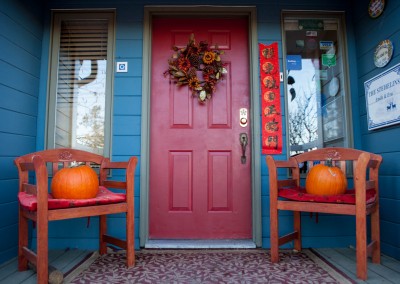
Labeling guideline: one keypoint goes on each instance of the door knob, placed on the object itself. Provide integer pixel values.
(243, 142)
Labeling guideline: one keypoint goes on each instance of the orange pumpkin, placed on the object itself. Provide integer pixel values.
(79, 182)
(326, 180)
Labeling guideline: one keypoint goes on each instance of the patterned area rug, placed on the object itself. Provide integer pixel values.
(206, 266)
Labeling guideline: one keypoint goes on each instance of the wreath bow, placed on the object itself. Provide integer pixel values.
(197, 65)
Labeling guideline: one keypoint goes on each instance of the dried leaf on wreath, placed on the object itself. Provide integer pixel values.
(179, 74)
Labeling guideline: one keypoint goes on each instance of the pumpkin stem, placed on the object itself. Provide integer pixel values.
(329, 162)
(75, 164)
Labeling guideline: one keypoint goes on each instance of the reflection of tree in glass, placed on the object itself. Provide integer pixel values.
(93, 120)
(303, 123)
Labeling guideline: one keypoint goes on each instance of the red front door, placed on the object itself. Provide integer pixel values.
(199, 187)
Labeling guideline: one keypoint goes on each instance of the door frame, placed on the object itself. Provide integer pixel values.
(209, 11)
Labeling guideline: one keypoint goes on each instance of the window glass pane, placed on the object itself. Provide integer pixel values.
(316, 97)
(81, 85)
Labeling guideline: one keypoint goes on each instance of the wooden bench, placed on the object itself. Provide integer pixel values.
(288, 194)
(36, 203)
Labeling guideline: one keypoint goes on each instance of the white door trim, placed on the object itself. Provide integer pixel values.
(250, 12)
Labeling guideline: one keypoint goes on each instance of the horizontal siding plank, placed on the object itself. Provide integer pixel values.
(389, 187)
(324, 242)
(9, 214)
(390, 250)
(17, 123)
(16, 145)
(8, 238)
(390, 233)
(128, 86)
(15, 100)
(126, 125)
(18, 79)
(22, 35)
(126, 145)
(125, 105)
(129, 48)
(18, 57)
(9, 190)
(390, 210)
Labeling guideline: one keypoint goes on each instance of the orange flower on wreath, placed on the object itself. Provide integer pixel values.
(184, 64)
(209, 57)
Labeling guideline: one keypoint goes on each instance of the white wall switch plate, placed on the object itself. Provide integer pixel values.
(122, 67)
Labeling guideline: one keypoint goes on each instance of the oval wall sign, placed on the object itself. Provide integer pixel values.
(375, 8)
(383, 53)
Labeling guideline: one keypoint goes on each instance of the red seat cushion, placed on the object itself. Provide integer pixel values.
(300, 194)
(105, 196)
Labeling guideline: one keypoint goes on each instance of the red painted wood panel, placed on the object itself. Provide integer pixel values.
(199, 189)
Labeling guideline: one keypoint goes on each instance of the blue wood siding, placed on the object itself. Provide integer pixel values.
(384, 141)
(20, 59)
(24, 45)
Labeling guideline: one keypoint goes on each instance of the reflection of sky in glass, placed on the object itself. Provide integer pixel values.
(90, 95)
(307, 83)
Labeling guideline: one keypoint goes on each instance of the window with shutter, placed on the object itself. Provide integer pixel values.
(80, 81)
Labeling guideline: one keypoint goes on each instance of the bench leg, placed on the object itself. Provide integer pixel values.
(297, 228)
(22, 241)
(375, 236)
(42, 255)
(130, 238)
(361, 246)
(102, 232)
(274, 235)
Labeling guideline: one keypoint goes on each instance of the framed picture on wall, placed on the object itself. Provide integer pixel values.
(382, 94)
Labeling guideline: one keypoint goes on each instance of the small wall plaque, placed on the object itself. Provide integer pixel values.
(383, 53)
(375, 8)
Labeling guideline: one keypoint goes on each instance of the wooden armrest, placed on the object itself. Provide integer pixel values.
(27, 166)
(281, 164)
(107, 164)
(129, 167)
(274, 182)
(41, 182)
(114, 165)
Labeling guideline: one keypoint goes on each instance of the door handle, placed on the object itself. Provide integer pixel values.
(243, 142)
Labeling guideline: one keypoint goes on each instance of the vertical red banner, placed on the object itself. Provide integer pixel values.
(270, 97)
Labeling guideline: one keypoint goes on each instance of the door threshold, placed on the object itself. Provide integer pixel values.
(200, 244)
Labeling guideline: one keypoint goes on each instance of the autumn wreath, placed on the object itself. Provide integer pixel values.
(197, 65)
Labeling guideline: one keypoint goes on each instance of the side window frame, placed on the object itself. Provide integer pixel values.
(344, 82)
(57, 18)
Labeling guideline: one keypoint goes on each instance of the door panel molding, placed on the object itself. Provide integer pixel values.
(209, 11)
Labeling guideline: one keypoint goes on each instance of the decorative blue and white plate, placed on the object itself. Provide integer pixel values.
(383, 53)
